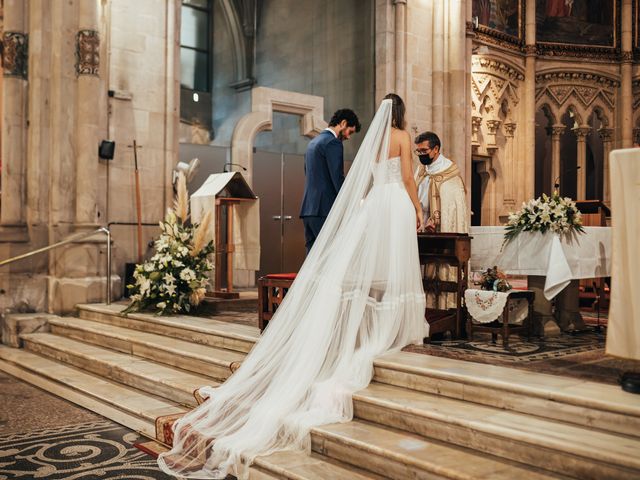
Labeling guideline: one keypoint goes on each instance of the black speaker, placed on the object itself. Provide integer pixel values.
(106, 149)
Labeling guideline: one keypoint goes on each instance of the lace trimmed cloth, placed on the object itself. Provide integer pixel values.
(485, 306)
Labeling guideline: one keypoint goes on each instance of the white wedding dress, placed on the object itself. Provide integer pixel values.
(358, 295)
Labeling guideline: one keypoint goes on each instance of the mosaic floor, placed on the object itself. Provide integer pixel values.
(64, 441)
(90, 450)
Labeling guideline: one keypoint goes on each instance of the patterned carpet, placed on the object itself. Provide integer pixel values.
(483, 350)
(90, 450)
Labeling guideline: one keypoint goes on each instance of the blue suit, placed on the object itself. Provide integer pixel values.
(324, 172)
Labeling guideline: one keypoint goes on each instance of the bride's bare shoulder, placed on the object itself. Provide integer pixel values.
(399, 135)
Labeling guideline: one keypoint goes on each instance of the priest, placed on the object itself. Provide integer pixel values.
(440, 187)
(444, 203)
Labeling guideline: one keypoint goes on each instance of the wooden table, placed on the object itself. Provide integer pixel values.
(435, 250)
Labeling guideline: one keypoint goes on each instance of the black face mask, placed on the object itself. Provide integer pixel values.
(425, 159)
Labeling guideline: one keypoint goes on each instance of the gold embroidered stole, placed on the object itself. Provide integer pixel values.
(435, 183)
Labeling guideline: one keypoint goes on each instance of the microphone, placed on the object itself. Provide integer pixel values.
(224, 168)
(556, 182)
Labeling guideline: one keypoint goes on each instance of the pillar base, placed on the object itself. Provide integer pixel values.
(544, 323)
(568, 308)
(65, 293)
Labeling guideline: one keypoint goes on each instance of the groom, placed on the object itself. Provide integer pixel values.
(324, 172)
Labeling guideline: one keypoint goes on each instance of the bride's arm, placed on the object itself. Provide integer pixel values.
(407, 175)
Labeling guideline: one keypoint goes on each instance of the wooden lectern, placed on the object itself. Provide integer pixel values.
(594, 214)
(435, 250)
(224, 247)
(221, 194)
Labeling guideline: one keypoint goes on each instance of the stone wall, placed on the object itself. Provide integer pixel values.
(327, 51)
(54, 114)
(541, 111)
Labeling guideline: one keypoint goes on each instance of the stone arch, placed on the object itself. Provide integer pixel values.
(484, 168)
(577, 114)
(550, 114)
(600, 114)
(265, 101)
(242, 75)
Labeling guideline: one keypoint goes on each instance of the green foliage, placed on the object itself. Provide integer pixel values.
(545, 214)
(173, 280)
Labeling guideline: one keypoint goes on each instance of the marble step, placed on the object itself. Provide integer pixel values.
(194, 357)
(167, 382)
(125, 405)
(300, 466)
(303, 466)
(397, 455)
(573, 450)
(591, 404)
(201, 330)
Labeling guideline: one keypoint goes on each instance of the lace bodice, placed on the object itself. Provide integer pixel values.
(388, 171)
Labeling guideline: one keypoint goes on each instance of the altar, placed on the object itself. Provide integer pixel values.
(553, 264)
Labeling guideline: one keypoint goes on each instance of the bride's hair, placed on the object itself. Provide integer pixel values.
(397, 110)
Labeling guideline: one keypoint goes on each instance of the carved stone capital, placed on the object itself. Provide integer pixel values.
(493, 126)
(626, 57)
(469, 30)
(556, 130)
(530, 50)
(510, 128)
(87, 52)
(15, 54)
(581, 132)
(606, 134)
(476, 123)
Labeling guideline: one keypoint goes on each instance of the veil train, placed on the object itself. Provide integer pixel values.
(357, 295)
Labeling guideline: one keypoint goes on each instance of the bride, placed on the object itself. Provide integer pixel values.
(358, 295)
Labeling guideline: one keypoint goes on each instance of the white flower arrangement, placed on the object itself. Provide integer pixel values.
(545, 214)
(174, 279)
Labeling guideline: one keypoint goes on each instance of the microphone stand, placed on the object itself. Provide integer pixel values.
(556, 182)
(224, 167)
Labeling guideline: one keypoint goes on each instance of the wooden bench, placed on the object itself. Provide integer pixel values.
(504, 328)
(271, 291)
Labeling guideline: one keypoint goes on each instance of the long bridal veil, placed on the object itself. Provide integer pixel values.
(348, 304)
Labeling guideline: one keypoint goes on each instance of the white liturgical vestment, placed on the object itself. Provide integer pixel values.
(623, 332)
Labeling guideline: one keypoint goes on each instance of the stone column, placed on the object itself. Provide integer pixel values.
(476, 123)
(492, 131)
(556, 131)
(401, 47)
(581, 134)
(384, 45)
(530, 100)
(607, 136)
(88, 115)
(626, 74)
(438, 73)
(509, 198)
(14, 119)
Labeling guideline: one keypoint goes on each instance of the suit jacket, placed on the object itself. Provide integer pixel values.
(324, 174)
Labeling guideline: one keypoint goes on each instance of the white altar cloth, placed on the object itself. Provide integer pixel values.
(485, 306)
(558, 258)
